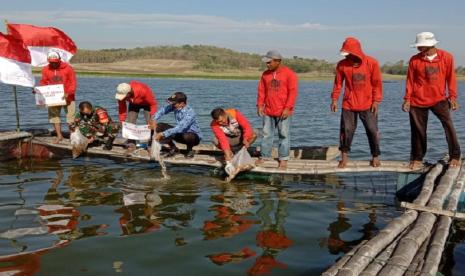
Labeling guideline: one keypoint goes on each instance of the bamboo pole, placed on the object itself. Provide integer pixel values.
(342, 261)
(409, 245)
(16, 108)
(434, 255)
(435, 211)
(385, 237)
(419, 259)
(428, 185)
(374, 267)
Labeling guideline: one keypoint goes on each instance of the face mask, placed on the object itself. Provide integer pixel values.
(86, 116)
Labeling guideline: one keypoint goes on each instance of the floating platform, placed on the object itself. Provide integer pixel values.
(303, 161)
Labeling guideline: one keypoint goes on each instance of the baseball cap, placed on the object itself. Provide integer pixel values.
(270, 55)
(177, 97)
(122, 91)
(53, 56)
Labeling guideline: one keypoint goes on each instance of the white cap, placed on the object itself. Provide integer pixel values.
(344, 54)
(53, 55)
(424, 39)
(122, 91)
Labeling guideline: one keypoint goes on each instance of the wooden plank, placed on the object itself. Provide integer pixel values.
(13, 135)
(433, 210)
(295, 166)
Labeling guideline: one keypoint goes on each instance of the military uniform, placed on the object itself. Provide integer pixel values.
(97, 124)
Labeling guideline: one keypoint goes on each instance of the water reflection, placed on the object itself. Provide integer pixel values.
(250, 223)
(335, 243)
(272, 237)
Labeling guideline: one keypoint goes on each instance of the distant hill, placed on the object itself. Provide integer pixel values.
(203, 58)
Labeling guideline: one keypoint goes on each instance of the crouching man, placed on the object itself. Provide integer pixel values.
(186, 131)
(232, 131)
(95, 124)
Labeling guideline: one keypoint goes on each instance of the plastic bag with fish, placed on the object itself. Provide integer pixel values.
(155, 150)
(242, 161)
(155, 154)
(78, 143)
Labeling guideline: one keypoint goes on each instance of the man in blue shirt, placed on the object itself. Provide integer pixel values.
(186, 131)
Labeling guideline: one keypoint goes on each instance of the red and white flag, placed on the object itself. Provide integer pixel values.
(15, 62)
(41, 40)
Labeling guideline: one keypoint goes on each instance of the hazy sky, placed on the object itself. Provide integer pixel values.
(309, 28)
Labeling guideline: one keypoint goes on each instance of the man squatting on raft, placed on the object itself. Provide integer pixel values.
(94, 123)
(186, 131)
(232, 131)
(362, 94)
(429, 72)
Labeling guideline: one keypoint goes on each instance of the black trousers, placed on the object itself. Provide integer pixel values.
(188, 138)
(349, 121)
(418, 126)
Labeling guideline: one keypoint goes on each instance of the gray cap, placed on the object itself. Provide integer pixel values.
(270, 55)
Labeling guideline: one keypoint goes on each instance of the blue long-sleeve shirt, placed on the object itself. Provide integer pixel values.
(186, 120)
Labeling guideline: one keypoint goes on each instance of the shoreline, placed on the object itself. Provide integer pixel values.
(202, 75)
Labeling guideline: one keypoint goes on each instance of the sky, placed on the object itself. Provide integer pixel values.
(311, 28)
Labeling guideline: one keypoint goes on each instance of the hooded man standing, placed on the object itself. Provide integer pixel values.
(429, 72)
(277, 93)
(363, 91)
(60, 72)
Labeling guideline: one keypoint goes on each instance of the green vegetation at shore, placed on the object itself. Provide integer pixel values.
(206, 62)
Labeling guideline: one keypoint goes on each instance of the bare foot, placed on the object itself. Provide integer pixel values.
(259, 162)
(453, 163)
(375, 162)
(415, 164)
(282, 165)
(344, 160)
(57, 140)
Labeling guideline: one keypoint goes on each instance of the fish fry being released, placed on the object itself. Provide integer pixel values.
(155, 150)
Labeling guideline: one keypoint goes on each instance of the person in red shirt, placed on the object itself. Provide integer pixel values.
(277, 93)
(361, 76)
(139, 96)
(232, 131)
(60, 72)
(429, 72)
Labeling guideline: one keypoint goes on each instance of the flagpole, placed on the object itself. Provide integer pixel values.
(14, 92)
(16, 107)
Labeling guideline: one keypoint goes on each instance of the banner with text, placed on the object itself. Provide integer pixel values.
(50, 95)
(135, 132)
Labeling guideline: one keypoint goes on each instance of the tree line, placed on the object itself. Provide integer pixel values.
(211, 58)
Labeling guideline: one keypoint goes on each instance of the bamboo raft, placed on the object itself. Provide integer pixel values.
(411, 244)
(208, 155)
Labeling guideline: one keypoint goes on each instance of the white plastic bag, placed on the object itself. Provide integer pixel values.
(78, 143)
(242, 161)
(155, 150)
(155, 154)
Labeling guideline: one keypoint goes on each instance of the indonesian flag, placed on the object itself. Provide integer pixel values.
(15, 62)
(41, 40)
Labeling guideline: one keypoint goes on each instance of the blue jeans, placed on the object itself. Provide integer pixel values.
(269, 126)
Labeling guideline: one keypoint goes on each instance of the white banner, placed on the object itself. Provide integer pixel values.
(50, 95)
(135, 132)
(16, 73)
(39, 55)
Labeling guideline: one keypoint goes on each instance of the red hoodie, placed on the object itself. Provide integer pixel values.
(363, 84)
(63, 75)
(236, 120)
(427, 80)
(277, 90)
(143, 95)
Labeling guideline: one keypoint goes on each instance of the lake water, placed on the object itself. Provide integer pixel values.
(97, 216)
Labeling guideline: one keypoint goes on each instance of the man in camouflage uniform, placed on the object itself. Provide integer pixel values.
(95, 124)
